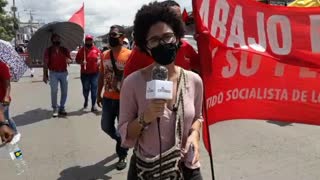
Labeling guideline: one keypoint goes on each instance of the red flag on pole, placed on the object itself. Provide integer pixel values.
(185, 16)
(78, 17)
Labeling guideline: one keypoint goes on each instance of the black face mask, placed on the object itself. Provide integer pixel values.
(56, 43)
(114, 42)
(165, 54)
(88, 46)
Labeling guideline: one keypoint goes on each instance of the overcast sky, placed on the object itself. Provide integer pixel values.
(99, 14)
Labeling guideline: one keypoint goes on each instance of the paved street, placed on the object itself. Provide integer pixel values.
(75, 148)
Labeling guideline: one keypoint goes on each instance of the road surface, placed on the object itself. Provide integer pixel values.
(75, 148)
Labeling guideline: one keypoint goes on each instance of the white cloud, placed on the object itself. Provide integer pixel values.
(99, 14)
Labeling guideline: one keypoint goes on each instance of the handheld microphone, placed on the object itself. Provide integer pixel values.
(159, 87)
(159, 73)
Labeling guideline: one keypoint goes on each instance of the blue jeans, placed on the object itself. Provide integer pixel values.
(56, 78)
(90, 83)
(110, 111)
(6, 114)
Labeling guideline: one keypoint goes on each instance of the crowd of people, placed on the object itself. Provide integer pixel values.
(116, 80)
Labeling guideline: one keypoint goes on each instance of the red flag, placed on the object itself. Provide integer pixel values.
(78, 17)
(185, 16)
(243, 51)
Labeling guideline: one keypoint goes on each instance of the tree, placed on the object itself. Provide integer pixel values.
(8, 23)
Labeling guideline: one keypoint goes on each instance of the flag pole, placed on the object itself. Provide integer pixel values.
(206, 124)
(207, 130)
(84, 58)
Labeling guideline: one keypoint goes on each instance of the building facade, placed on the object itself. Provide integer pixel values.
(25, 31)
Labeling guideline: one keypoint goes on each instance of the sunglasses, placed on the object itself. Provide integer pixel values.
(115, 34)
(165, 39)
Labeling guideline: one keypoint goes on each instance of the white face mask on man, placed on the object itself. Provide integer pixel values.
(125, 45)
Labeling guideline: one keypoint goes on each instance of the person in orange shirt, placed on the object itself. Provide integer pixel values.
(112, 63)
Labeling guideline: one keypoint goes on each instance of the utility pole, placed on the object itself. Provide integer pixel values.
(15, 26)
(30, 22)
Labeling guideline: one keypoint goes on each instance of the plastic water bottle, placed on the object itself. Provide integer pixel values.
(16, 155)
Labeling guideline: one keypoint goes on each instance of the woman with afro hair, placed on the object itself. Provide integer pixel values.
(165, 134)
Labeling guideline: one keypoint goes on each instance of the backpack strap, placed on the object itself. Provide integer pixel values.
(114, 66)
(180, 113)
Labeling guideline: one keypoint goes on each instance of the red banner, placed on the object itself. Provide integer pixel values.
(240, 84)
(275, 31)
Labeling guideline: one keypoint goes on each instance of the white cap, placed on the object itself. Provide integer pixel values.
(126, 40)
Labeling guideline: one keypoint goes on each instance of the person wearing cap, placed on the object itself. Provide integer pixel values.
(112, 64)
(88, 57)
(56, 59)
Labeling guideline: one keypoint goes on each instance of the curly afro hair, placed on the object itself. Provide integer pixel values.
(151, 14)
(170, 3)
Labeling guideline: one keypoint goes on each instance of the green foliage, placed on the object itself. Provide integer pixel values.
(3, 4)
(7, 23)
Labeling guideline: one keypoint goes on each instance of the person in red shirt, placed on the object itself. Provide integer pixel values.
(56, 59)
(89, 71)
(5, 99)
(186, 58)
